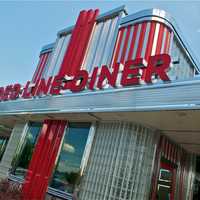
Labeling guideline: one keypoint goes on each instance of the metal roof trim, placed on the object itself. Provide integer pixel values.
(47, 48)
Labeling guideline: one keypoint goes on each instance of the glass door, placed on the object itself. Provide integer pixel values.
(166, 182)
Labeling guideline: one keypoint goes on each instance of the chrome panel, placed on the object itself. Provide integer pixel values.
(122, 45)
(102, 43)
(57, 56)
(163, 43)
(129, 41)
(119, 150)
(136, 41)
(169, 96)
(155, 39)
(145, 40)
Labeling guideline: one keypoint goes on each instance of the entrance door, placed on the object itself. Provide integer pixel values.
(166, 182)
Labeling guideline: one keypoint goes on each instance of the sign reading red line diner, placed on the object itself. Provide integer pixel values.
(133, 72)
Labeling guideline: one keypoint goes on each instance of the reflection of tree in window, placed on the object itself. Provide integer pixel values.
(67, 173)
(22, 159)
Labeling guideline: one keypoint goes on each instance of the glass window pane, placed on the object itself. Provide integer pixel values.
(67, 172)
(3, 144)
(21, 160)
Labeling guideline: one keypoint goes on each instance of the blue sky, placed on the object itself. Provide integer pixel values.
(26, 26)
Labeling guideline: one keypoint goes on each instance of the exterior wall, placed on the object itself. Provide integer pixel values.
(182, 67)
(120, 163)
(42, 66)
(184, 165)
(16, 136)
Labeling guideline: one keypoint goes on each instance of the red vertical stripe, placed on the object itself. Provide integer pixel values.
(133, 41)
(35, 73)
(43, 159)
(125, 45)
(85, 37)
(39, 67)
(42, 67)
(160, 39)
(72, 45)
(141, 39)
(167, 41)
(79, 42)
(150, 40)
(118, 44)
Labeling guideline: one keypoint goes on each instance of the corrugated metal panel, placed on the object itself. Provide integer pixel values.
(42, 66)
(120, 164)
(57, 56)
(101, 45)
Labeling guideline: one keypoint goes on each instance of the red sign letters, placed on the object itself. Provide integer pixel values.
(132, 73)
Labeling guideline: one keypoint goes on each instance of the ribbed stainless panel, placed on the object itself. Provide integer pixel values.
(183, 68)
(180, 95)
(57, 56)
(186, 172)
(102, 43)
(120, 163)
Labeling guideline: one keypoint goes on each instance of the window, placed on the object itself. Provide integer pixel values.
(71, 160)
(3, 144)
(22, 158)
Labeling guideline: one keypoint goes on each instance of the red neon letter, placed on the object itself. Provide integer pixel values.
(7, 92)
(82, 77)
(111, 77)
(93, 78)
(43, 87)
(158, 64)
(15, 92)
(56, 85)
(26, 94)
(130, 74)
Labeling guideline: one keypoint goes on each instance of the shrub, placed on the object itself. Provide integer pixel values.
(9, 191)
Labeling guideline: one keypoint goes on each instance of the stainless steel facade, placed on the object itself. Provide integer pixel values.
(124, 140)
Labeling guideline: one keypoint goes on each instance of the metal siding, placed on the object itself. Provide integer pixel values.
(57, 55)
(100, 47)
(120, 163)
(42, 65)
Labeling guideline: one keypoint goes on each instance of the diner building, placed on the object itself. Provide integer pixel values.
(112, 112)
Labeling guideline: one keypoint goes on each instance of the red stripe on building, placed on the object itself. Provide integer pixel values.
(39, 67)
(41, 165)
(160, 39)
(167, 42)
(141, 39)
(118, 44)
(65, 66)
(84, 39)
(36, 71)
(79, 42)
(125, 45)
(132, 46)
(42, 67)
(150, 41)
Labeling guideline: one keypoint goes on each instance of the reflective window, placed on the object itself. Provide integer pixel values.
(3, 144)
(68, 169)
(23, 157)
